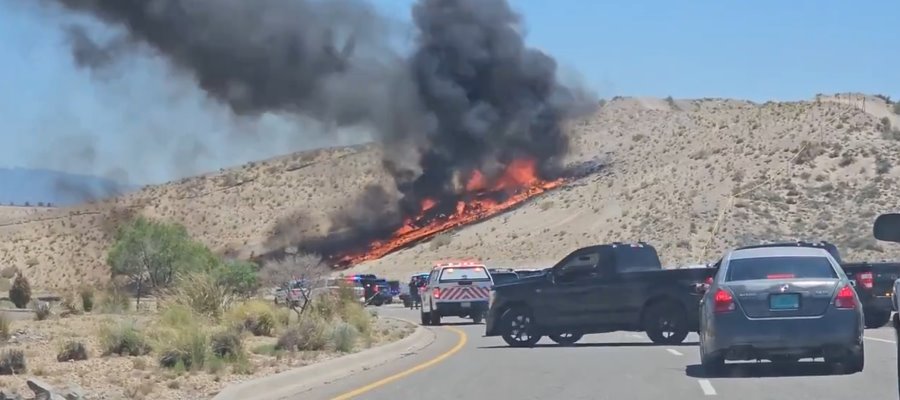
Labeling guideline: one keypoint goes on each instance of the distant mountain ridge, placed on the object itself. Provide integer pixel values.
(25, 185)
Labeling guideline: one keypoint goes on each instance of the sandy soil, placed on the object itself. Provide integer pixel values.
(132, 378)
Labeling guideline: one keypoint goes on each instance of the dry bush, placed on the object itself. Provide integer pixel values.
(344, 337)
(226, 344)
(201, 293)
(124, 339)
(4, 328)
(41, 310)
(72, 351)
(255, 316)
(441, 240)
(308, 334)
(12, 361)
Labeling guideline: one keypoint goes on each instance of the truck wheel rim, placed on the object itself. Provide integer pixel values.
(519, 328)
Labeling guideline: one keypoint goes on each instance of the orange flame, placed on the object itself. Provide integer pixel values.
(519, 181)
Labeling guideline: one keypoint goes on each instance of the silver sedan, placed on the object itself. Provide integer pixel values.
(781, 304)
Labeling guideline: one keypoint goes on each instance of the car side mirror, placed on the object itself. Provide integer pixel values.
(887, 228)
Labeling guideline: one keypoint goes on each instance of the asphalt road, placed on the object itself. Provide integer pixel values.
(462, 364)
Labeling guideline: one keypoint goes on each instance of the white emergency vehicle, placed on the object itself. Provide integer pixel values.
(456, 288)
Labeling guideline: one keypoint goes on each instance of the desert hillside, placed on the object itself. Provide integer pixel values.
(816, 169)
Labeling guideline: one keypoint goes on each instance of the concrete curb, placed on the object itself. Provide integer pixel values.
(290, 383)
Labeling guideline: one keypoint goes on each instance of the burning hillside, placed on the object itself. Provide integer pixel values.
(478, 201)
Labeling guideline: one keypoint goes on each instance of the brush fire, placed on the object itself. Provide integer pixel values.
(479, 200)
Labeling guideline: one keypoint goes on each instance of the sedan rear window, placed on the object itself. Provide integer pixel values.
(746, 269)
(456, 274)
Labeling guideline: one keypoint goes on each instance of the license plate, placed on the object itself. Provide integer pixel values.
(465, 304)
(784, 301)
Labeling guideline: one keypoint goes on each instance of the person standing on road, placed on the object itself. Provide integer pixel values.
(414, 294)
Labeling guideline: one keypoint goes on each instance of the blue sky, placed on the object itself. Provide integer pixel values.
(55, 115)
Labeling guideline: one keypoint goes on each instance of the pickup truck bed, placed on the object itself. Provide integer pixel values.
(875, 288)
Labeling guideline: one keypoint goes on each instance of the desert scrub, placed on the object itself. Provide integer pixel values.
(115, 300)
(4, 328)
(344, 337)
(41, 310)
(202, 293)
(180, 338)
(20, 292)
(124, 339)
(226, 344)
(72, 351)
(12, 361)
(257, 317)
(87, 298)
(310, 333)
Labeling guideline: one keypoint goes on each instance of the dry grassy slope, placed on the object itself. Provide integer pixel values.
(673, 166)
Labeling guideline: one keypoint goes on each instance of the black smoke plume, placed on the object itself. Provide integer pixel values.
(470, 94)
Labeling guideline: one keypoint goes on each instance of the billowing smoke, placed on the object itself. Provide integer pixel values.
(470, 94)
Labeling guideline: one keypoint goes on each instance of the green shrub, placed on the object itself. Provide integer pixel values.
(188, 348)
(12, 362)
(20, 292)
(257, 317)
(87, 299)
(41, 310)
(124, 339)
(344, 337)
(310, 333)
(72, 351)
(226, 344)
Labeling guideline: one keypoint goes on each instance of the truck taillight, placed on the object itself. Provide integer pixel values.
(845, 298)
(866, 279)
(436, 293)
(723, 301)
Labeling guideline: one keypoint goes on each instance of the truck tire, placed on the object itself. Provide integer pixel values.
(477, 316)
(435, 317)
(713, 364)
(665, 323)
(877, 318)
(426, 317)
(856, 361)
(517, 328)
(566, 339)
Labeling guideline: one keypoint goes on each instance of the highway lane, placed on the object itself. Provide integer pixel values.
(619, 365)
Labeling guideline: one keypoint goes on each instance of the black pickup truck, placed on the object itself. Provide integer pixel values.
(595, 289)
(874, 281)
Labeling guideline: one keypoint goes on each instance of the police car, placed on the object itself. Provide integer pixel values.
(456, 288)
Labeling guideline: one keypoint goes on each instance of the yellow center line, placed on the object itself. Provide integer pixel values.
(374, 385)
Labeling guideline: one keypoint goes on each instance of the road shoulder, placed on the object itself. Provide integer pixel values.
(289, 384)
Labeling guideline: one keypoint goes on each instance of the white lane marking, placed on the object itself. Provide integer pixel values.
(879, 339)
(635, 335)
(707, 387)
(674, 352)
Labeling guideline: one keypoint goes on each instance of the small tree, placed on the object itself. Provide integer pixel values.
(305, 268)
(240, 277)
(20, 292)
(151, 253)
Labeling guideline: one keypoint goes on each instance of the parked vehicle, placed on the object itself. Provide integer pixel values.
(761, 292)
(873, 281)
(887, 228)
(501, 277)
(456, 288)
(597, 289)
